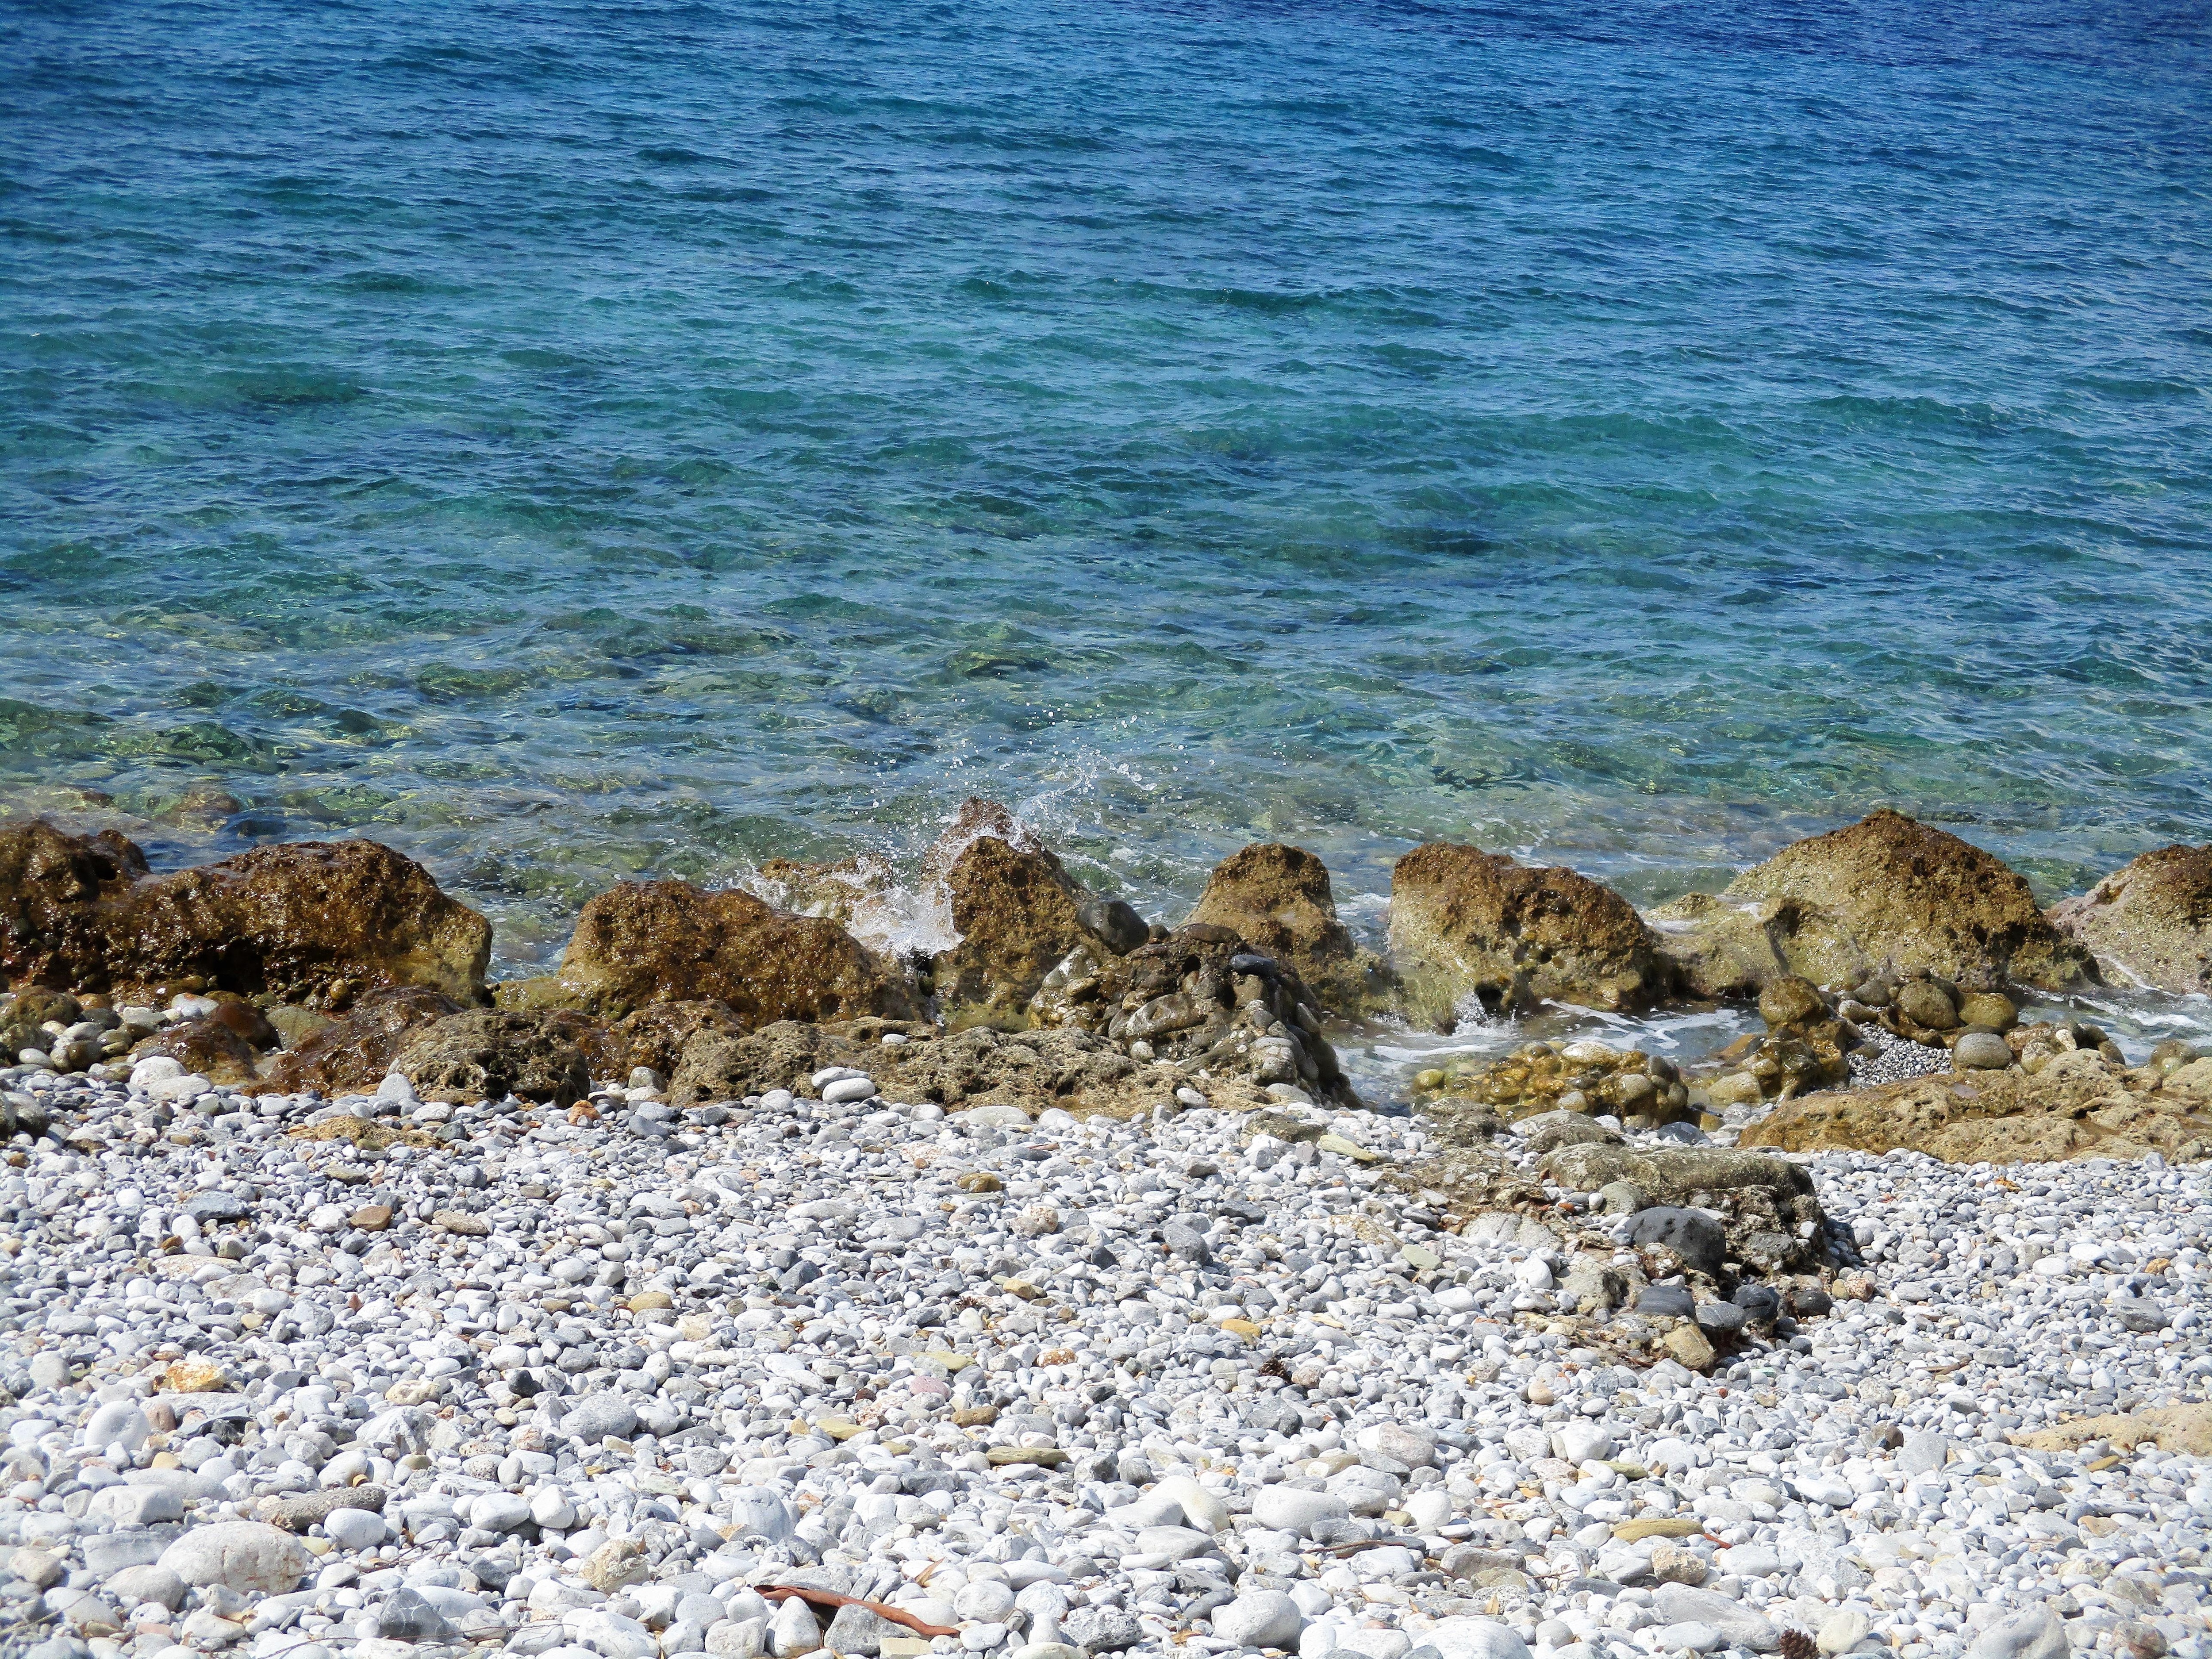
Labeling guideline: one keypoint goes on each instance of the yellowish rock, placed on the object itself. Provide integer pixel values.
(1658, 1526)
(1688, 1345)
(191, 1376)
(1350, 1149)
(980, 1181)
(1242, 1327)
(645, 1299)
(1045, 1457)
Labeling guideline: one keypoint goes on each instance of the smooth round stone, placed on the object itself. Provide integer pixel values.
(846, 1090)
(1259, 1619)
(1692, 1636)
(355, 1529)
(1982, 1051)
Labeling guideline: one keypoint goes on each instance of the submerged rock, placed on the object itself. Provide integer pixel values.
(1467, 923)
(308, 920)
(2149, 924)
(668, 941)
(1918, 898)
(1278, 898)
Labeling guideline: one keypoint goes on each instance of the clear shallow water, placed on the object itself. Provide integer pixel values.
(571, 442)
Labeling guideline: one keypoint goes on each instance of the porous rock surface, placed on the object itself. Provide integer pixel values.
(1465, 923)
(650, 942)
(2077, 1104)
(1916, 898)
(1278, 898)
(306, 920)
(2150, 923)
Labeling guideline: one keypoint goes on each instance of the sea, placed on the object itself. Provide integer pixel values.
(574, 443)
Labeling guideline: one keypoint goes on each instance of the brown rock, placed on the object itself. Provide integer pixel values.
(850, 892)
(303, 918)
(1791, 999)
(485, 1055)
(2076, 1104)
(292, 1023)
(656, 1036)
(1278, 900)
(353, 1054)
(1923, 900)
(1731, 947)
(191, 1376)
(1017, 915)
(461, 1224)
(668, 941)
(1464, 922)
(1687, 1344)
(2149, 924)
(371, 1217)
(208, 1047)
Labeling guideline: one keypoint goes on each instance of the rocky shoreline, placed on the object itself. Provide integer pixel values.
(1033, 1280)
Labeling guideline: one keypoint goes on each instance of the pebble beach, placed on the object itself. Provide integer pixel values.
(449, 1378)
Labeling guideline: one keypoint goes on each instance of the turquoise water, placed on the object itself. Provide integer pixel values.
(570, 442)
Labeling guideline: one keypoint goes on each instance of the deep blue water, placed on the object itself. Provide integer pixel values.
(570, 441)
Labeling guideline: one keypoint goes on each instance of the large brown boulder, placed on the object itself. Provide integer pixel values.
(1465, 923)
(304, 920)
(2149, 924)
(1016, 915)
(351, 1054)
(1918, 899)
(487, 1054)
(1731, 947)
(1278, 898)
(2079, 1104)
(668, 941)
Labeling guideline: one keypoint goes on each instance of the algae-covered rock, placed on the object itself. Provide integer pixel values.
(668, 941)
(1017, 916)
(2076, 1103)
(1467, 924)
(2149, 924)
(1585, 1077)
(352, 1053)
(1278, 900)
(320, 920)
(486, 1054)
(1733, 947)
(1919, 898)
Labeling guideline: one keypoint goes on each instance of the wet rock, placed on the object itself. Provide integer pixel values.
(1469, 924)
(1920, 898)
(353, 1054)
(208, 1048)
(321, 921)
(2149, 924)
(1017, 916)
(1589, 1077)
(1733, 945)
(668, 941)
(2077, 1104)
(1278, 900)
(486, 1054)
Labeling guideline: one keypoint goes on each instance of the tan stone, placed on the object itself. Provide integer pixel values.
(2149, 924)
(2186, 1429)
(371, 1217)
(1465, 923)
(1688, 1346)
(669, 941)
(2077, 1104)
(191, 1376)
(1278, 900)
(1922, 899)
(1733, 945)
